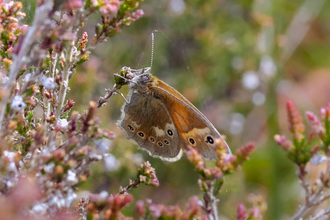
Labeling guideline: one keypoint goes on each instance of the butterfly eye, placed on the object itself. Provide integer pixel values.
(192, 141)
(209, 139)
(152, 139)
(145, 78)
(166, 141)
(130, 127)
(141, 134)
(169, 132)
(160, 144)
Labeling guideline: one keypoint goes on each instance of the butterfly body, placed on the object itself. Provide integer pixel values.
(163, 122)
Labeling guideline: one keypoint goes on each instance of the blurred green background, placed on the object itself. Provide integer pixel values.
(238, 62)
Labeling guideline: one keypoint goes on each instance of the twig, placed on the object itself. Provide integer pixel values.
(312, 198)
(318, 215)
(211, 202)
(130, 186)
(103, 100)
(65, 78)
(64, 86)
(20, 59)
(52, 73)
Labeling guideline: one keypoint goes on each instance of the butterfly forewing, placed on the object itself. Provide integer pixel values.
(192, 126)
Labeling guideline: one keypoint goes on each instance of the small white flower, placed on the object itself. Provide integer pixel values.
(318, 159)
(71, 178)
(10, 155)
(56, 199)
(95, 156)
(70, 197)
(17, 103)
(49, 168)
(200, 203)
(103, 195)
(47, 82)
(103, 145)
(27, 77)
(21, 164)
(40, 209)
(12, 167)
(64, 123)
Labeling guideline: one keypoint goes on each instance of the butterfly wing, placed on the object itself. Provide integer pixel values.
(147, 122)
(192, 126)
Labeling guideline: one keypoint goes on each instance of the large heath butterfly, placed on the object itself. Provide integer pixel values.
(163, 122)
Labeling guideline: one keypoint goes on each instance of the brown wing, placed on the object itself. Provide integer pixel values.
(178, 95)
(192, 126)
(146, 121)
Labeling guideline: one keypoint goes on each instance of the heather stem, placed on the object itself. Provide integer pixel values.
(64, 84)
(312, 201)
(20, 59)
(211, 202)
(53, 64)
(65, 78)
(132, 185)
(312, 198)
(52, 74)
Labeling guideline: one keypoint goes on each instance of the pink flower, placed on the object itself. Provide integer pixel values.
(325, 112)
(315, 122)
(110, 7)
(241, 212)
(245, 152)
(140, 210)
(283, 142)
(195, 157)
(73, 4)
(255, 213)
(193, 208)
(295, 120)
(137, 14)
(120, 201)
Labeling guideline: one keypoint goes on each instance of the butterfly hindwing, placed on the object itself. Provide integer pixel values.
(146, 121)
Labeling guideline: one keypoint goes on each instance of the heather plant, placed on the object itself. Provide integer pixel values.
(47, 149)
(312, 149)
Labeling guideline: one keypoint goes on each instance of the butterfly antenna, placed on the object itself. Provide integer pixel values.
(152, 48)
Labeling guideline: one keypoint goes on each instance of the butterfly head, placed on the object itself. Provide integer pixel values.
(142, 78)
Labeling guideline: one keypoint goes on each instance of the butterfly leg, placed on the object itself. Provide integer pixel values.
(116, 92)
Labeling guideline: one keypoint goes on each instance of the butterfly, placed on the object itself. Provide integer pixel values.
(162, 121)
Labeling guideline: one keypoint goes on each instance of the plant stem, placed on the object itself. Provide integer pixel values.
(64, 85)
(310, 202)
(132, 185)
(52, 74)
(65, 78)
(103, 100)
(211, 202)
